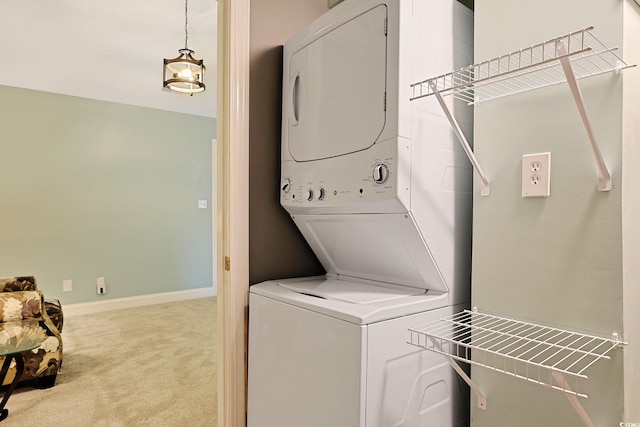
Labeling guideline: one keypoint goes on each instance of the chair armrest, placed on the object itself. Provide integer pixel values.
(53, 309)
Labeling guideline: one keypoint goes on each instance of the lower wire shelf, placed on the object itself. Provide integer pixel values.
(552, 357)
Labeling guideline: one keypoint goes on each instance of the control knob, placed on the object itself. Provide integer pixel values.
(380, 173)
(285, 185)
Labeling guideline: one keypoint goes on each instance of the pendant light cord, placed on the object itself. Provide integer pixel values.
(186, 31)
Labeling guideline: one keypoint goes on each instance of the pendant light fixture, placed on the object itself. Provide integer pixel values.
(184, 73)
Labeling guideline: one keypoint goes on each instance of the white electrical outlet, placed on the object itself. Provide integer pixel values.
(202, 204)
(101, 287)
(536, 175)
(67, 285)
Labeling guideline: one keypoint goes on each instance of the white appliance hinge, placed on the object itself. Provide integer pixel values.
(386, 22)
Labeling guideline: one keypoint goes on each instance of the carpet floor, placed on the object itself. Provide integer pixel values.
(145, 366)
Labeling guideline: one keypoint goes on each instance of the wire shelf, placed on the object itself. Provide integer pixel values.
(526, 69)
(543, 355)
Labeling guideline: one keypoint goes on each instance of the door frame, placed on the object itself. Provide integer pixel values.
(232, 213)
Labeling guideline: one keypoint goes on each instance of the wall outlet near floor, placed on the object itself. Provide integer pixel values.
(536, 175)
(67, 285)
(101, 287)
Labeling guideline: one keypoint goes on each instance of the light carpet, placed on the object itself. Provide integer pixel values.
(146, 366)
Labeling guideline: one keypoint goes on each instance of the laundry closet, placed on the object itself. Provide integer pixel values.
(381, 190)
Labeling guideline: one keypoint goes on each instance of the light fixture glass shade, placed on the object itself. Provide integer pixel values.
(184, 73)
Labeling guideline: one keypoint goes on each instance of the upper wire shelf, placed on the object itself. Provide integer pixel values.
(526, 69)
(543, 355)
(562, 59)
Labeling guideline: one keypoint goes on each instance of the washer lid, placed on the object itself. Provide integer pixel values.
(383, 248)
(351, 292)
(376, 303)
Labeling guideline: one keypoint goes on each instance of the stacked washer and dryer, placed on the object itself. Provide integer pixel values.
(382, 192)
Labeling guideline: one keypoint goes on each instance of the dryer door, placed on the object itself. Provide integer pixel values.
(334, 99)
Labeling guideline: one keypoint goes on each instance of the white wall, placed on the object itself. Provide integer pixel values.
(557, 261)
(631, 213)
(110, 51)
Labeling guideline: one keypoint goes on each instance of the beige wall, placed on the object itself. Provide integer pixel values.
(276, 248)
(557, 261)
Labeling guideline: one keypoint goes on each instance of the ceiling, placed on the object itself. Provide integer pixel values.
(107, 50)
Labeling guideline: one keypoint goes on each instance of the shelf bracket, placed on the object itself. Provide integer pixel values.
(604, 177)
(482, 399)
(485, 187)
(559, 379)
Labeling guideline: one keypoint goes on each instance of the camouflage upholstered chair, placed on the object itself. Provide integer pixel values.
(21, 301)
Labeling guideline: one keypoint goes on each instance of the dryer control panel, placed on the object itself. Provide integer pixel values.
(367, 181)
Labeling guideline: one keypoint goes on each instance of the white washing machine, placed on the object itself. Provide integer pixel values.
(382, 192)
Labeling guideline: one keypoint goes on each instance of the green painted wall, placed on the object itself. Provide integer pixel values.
(557, 261)
(92, 188)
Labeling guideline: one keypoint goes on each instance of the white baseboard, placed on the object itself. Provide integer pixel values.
(70, 310)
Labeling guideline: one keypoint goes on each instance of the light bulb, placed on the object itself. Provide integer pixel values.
(186, 73)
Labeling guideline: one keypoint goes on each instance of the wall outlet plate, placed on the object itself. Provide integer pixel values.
(67, 285)
(536, 175)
